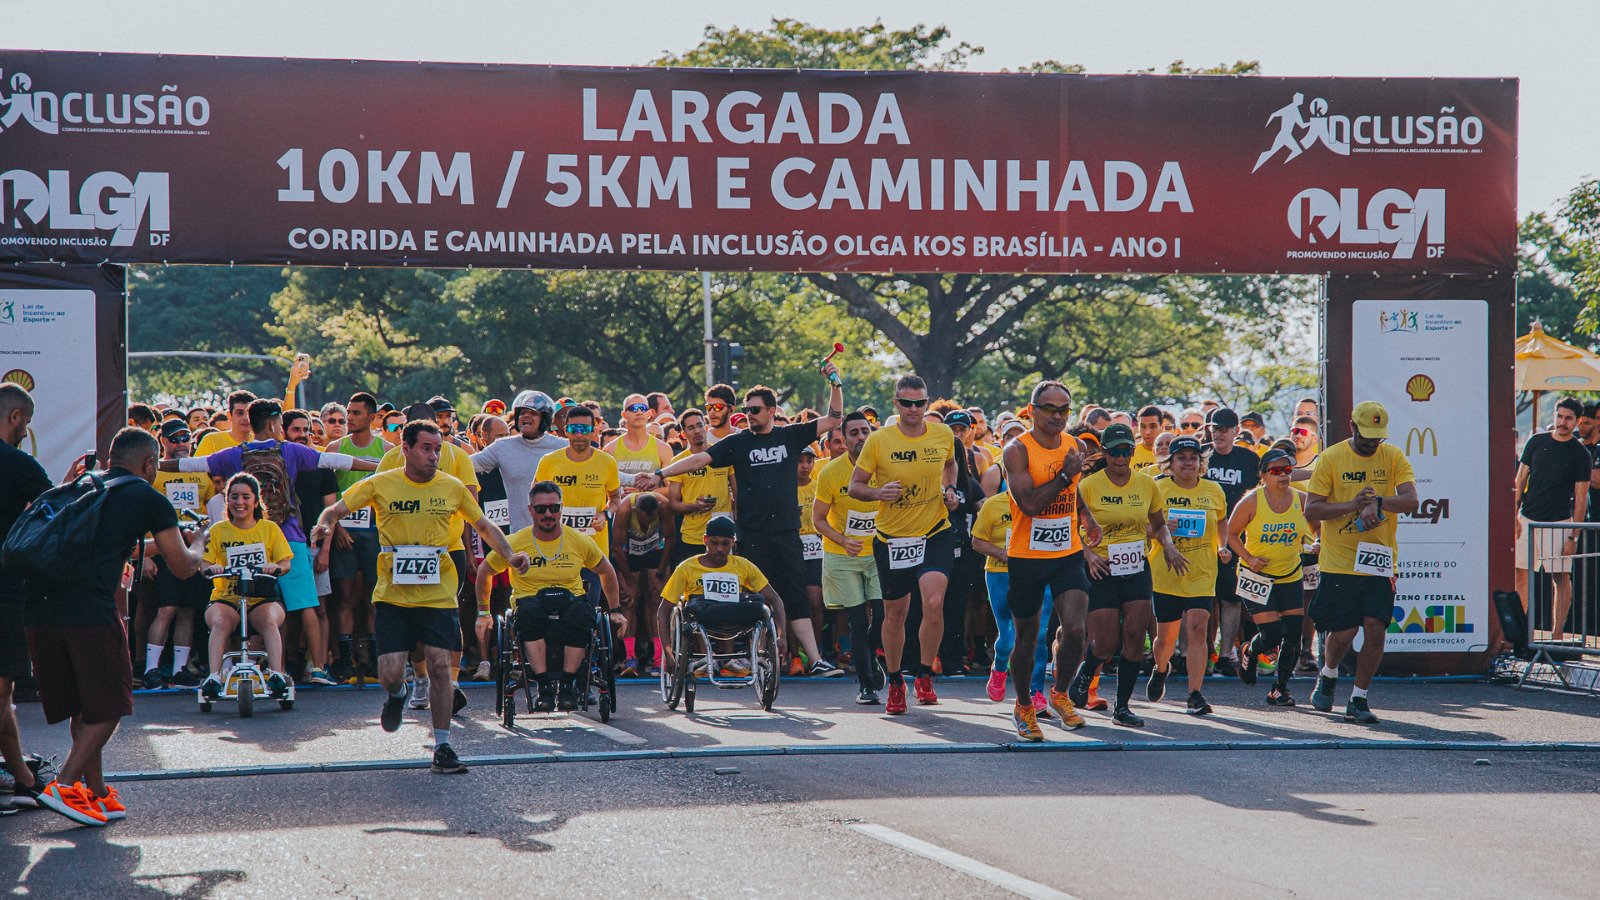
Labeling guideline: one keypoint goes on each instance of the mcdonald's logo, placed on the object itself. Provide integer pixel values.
(1422, 437)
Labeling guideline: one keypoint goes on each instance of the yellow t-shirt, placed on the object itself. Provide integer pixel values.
(1142, 455)
(415, 515)
(1339, 474)
(1123, 512)
(705, 481)
(586, 489)
(691, 577)
(918, 464)
(230, 545)
(1278, 537)
(994, 525)
(186, 490)
(848, 516)
(453, 461)
(557, 563)
(807, 494)
(1194, 516)
(215, 441)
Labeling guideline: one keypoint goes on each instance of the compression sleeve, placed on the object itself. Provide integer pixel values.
(341, 461)
(194, 464)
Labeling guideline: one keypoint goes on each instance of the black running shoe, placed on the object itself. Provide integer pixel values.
(546, 701)
(211, 688)
(1322, 695)
(867, 698)
(458, 702)
(1197, 705)
(446, 762)
(1279, 696)
(1078, 688)
(1247, 672)
(1226, 668)
(393, 708)
(1125, 717)
(153, 680)
(1157, 688)
(567, 698)
(1356, 711)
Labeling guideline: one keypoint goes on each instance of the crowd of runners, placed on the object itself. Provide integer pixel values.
(1042, 547)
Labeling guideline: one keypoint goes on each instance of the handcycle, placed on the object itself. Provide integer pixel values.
(244, 670)
(596, 683)
(747, 622)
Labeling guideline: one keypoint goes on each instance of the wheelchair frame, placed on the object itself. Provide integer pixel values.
(594, 673)
(679, 682)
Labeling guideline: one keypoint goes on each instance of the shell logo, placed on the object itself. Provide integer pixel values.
(1420, 388)
(18, 377)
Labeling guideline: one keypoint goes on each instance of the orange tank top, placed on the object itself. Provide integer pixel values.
(1054, 532)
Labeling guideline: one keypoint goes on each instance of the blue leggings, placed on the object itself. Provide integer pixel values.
(1006, 630)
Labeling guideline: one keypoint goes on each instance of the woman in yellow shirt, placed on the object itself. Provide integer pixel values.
(246, 540)
(1266, 531)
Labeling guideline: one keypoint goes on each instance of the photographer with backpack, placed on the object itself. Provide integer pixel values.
(71, 545)
(22, 480)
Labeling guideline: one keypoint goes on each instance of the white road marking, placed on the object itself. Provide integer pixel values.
(966, 865)
(615, 734)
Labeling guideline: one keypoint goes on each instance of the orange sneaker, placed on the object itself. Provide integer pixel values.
(1095, 700)
(1026, 722)
(796, 668)
(110, 804)
(1063, 707)
(73, 802)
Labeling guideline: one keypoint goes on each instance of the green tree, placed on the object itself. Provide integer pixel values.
(214, 309)
(1549, 265)
(1581, 210)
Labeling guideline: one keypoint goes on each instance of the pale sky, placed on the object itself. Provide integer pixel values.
(1550, 46)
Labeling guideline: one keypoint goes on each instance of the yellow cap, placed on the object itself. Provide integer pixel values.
(1371, 419)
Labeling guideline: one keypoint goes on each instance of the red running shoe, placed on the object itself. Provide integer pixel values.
(924, 688)
(897, 699)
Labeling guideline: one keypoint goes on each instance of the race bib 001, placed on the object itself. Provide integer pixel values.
(1311, 577)
(1254, 587)
(1186, 523)
(720, 587)
(906, 553)
(811, 546)
(1374, 559)
(359, 519)
(1126, 558)
(247, 556)
(581, 518)
(183, 495)
(498, 512)
(416, 565)
(1051, 535)
(860, 524)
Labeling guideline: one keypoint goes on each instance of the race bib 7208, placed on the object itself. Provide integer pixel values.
(1374, 559)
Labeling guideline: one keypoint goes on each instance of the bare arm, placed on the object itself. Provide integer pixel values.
(687, 464)
(1033, 498)
(834, 414)
(1404, 501)
(775, 603)
(1237, 523)
(496, 541)
(1319, 508)
(184, 558)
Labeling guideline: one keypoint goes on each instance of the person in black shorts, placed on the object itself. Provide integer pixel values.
(22, 480)
(1234, 468)
(1266, 532)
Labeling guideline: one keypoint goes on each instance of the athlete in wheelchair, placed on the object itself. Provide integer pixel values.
(552, 618)
(714, 601)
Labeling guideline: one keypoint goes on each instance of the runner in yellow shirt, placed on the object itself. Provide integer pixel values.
(1267, 531)
(590, 485)
(415, 600)
(849, 572)
(637, 451)
(698, 494)
(805, 629)
(1197, 519)
(238, 426)
(558, 556)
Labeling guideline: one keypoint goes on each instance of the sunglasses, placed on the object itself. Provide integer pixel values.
(909, 403)
(719, 407)
(1300, 432)
(1190, 426)
(1280, 470)
(636, 407)
(753, 410)
(1053, 409)
(579, 428)
(545, 509)
(1119, 451)
(393, 426)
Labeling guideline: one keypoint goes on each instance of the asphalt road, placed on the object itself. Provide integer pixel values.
(1261, 822)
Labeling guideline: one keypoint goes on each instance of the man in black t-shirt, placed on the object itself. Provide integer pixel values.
(75, 627)
(1552, 486)
(1237, 470)
(765, 478)
(22, 480)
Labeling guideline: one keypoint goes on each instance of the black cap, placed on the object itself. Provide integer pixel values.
(808, 450)
(1183, 443)
(1223, 417)
(439, 404)
(957, 417)
(1116, 435)
(418, 412)
(171, 429)
(1275, 455)
(721, 526)
(1253, 417)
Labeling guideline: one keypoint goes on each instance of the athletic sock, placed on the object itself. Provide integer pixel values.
(1288, 650)
(152, 655)
(627, 643)
(180, 657)
(346, 648)
(924, 670)
(441, 736)
(1329, 673)
(1127, 674)
(400, 694)
(895, 677)
(1358, 693)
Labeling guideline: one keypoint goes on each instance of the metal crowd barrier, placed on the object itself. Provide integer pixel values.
(1563, 605)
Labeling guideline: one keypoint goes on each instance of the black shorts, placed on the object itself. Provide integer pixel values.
(399, 629)
(185, 593)
(13, 641)
(1170, 608)
(1029, 578)
(813, 573)
(779, 557)
(1116, 591)
(682, 551)
(1343, 601)
(561, 617)
(645, 563)
(82, 671)
(361, 560)
(1284, 597)
(1228, 581)
(938, 555)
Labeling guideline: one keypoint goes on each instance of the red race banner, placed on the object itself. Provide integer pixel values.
(187, 159)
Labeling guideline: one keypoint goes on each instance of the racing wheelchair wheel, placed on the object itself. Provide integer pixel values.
(766, 671)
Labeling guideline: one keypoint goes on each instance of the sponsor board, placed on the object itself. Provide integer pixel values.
(47, 345)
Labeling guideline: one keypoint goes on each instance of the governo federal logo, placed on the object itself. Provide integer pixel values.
(1301, 126)
(162, 110)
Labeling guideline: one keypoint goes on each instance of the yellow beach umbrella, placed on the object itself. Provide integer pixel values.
(1546, 363)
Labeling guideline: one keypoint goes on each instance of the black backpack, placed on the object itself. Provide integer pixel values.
(51, 540)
